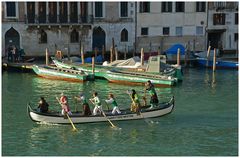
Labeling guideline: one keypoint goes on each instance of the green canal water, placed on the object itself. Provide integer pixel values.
(204, 121)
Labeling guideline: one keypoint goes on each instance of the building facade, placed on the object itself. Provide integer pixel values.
(222, 29)
(114, 22)
(66, 26)
(162, 24)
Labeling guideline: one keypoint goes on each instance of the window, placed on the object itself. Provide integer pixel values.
(124, 35)
(236, 18)
(74, 36)
(124, 9)
(144, 31)
(166, 30)
(219, 19)
(200, 6)
(166, 6)
(144, 7)
(31, 12)
(11, 9)
(98, 9)
(179, 31)
(235, 37)
(43, 36)
(199, 30)
(63, 12)
(73, 12)
(42, 16)
(180, 6)
(52, 9)
(83, 11)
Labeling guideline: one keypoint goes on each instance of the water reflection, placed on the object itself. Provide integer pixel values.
(213, 79)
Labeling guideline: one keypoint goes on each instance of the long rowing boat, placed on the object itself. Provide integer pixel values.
(60, 73)
(77, 118)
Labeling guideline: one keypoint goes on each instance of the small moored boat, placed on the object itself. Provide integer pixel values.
(57, 118)
(220, 63)
(60, 73)
(137, 78)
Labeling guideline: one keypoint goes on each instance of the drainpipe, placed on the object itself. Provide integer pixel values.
(135, 43)
(206, 34)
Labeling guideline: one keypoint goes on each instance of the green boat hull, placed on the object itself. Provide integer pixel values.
(126, 78)
(59, 74)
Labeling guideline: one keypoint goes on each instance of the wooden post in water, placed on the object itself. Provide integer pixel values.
(125, 52)
(187, 53)
(82, 54)
(93, 66)
(214, 60)
(178, 57)
(47, 60)
(111, 54)
(116, 53)
(158, 50)
(142, 57)
(103, 52)
(96, 52)
(113, 47)
(208, 54)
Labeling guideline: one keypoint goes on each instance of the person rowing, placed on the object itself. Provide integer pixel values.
(64, 103)
(151, 90)
(85, 105)
(111, 100)
(135, 106)
(96, 101)
(43, 105)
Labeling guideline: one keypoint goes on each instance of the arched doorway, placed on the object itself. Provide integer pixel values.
(12, 38)
(99, 38)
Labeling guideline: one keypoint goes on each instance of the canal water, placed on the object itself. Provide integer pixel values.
(204, 121)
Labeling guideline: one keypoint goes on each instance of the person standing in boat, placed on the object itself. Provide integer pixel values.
(96, 101)
(65, 107)
(135, 106)
(86, 108)
(111, 100)
(43, 105)
(151, 90)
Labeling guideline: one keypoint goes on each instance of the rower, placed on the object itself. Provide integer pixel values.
(86, 108)
(43, 105)
(111, 100)
(96, 101)
(135, 106)
(150, 88)
(65, 107)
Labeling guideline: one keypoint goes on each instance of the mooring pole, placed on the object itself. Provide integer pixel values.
(47, 60)
(82, 54)
(178, 57)
(214, 60)
(142, 57)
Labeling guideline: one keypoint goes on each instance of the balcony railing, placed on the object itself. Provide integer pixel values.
(48, 20)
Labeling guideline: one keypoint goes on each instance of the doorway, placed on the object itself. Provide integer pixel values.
(12, 37)
(214, 38)
(99, 38)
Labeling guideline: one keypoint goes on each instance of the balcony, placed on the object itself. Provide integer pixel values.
(33, 20)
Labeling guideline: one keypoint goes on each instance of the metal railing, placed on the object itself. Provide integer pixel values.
(48, 20)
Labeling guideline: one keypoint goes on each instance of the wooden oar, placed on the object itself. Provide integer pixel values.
(105, 116)
(74, 128)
